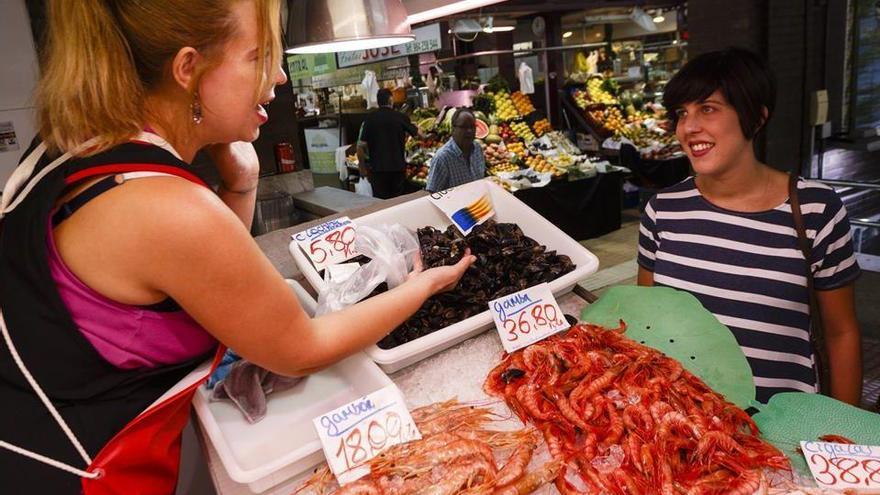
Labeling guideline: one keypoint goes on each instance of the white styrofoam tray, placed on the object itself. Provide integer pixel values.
(421, 212)
(284, 444)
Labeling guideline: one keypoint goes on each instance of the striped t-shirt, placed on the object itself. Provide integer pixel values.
(747, 269)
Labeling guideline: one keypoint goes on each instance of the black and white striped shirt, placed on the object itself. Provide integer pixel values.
(747, 270)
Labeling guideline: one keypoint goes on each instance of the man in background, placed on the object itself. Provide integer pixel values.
(381, 147)
(461, 159)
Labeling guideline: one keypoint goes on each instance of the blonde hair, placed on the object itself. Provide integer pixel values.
(104, 56)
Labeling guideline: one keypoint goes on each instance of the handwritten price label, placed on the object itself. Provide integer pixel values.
(358, 431)
(527, 316)
(841, 466)
(329, 243)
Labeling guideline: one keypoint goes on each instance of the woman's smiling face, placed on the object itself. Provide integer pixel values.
(711, 135)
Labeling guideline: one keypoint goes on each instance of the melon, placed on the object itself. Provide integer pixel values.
(482, 129)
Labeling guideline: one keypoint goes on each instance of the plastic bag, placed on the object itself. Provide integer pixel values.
(391, 249)
(363, 187)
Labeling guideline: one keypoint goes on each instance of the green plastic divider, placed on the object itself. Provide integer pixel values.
(675, 323)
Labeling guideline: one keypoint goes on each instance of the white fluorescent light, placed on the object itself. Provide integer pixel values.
(350, 45)
(498, 29)
(567, 34)
(659, 19)
(449, 9)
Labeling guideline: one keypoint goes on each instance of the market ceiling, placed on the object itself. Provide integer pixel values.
(519, 8)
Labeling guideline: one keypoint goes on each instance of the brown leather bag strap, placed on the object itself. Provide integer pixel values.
(817, 334)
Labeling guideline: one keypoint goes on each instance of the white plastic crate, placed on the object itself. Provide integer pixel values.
(420, 213)
(284, 444)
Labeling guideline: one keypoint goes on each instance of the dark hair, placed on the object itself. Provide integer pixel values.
(743, 78)
(461, 111)
(383, 97)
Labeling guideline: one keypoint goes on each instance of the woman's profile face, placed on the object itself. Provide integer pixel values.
(230, 112)
(710, 134)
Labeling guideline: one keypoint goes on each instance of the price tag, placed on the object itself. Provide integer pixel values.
(841, 466)
(358, 431)
(467, 205)
(329, 243)
(527, 316)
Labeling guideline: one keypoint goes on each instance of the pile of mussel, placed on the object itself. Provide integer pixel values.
(507, 261)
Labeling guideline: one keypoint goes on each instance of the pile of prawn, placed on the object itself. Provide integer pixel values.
(624, 419)
(457, 454)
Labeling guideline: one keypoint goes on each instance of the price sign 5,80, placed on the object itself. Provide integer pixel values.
(843, 466)
(527, 316)
(329, 243)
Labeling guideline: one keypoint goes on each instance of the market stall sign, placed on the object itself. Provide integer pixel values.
(843, 466)
(353, 434)
(467, 206)
(329, 243)
(390, 69)
(527, 316)
(427, 40)
(309, 65)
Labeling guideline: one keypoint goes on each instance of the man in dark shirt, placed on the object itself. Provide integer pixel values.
(381, 147)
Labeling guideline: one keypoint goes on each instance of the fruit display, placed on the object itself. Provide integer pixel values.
(562, 143)
(541, 165)
(610, 118)
(561, 160)
(507, 134)
(522, 103)
(517, 148)
(504, 107)
(502, 169)
(496, 154)
(418, 173)
(482, 129)
(600, 90)
(581, 99)
(542, 127)
(521, 129)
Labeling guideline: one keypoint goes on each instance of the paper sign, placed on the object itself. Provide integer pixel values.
(329, 243)
(8, 141)
(527, 316)
(841, 466)
(358, 431)
(467, 206)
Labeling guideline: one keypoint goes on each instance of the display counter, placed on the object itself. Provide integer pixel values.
(439, 377)
(583, 208)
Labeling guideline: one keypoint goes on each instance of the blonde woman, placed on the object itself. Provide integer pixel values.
(120, 270)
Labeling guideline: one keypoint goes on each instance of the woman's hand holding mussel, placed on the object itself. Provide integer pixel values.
(442, 278)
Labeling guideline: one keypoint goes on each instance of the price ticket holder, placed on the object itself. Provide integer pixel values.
(353, 434)
(329, 243)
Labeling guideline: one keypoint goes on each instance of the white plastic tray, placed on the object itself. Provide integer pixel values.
(284, 444)
(420, 213)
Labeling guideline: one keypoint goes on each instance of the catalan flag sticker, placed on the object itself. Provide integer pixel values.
(467, 206)
(473, 214)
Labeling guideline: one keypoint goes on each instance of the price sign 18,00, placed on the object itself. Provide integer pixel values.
(329, 243)
(527, 316)
(358, 431)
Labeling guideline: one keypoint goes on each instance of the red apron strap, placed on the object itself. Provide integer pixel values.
(121, 168)
(144, 457)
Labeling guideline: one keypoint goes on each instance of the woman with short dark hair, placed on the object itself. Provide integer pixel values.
(728, 234)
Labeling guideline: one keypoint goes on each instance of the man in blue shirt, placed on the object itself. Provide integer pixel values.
(461, 159)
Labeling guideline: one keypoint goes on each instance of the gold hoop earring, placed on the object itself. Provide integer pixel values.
(196, 109)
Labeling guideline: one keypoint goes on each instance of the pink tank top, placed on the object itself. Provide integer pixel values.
(127, 336)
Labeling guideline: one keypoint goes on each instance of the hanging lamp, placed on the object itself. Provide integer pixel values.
(325, 26)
